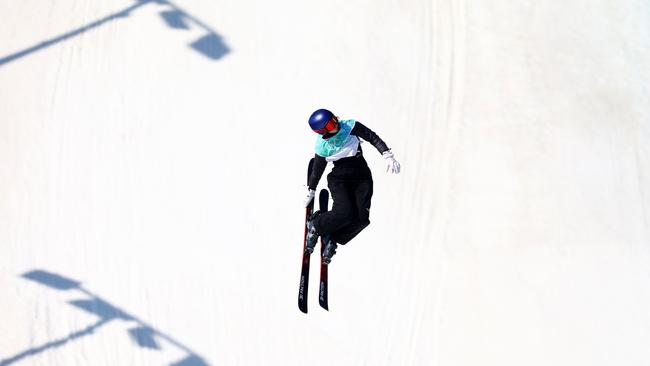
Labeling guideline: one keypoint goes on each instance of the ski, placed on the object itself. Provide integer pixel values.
(304, 274)
(323, 199)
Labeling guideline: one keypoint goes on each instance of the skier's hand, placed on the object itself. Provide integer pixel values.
(392, 166)
(310, 196)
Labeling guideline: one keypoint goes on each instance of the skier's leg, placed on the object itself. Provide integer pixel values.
(362, 195)
(363, 198)
(342, 212)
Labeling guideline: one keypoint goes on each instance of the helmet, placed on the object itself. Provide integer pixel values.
(319, 119)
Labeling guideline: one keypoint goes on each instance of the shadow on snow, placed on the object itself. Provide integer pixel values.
(142, 334)
(210, 45)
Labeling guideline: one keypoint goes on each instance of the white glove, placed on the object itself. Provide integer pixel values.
(310, 196)
(392, 166)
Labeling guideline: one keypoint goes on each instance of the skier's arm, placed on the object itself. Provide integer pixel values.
(368, 135)
(317, 171)
(392, 166)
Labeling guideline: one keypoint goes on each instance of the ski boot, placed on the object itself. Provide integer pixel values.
(312, 234)
(329, 251)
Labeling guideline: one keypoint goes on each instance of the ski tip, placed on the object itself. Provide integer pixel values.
(302, 308)
(324, 194)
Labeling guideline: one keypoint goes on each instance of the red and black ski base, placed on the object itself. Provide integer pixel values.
(303, 290)
(323, 199)
(304, 273)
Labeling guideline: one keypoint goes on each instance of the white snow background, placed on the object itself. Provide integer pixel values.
(153, 158)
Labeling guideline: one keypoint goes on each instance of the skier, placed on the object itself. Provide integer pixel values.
(350, 181)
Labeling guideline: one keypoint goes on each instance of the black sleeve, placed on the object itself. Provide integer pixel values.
(368, 135)
(317, 171)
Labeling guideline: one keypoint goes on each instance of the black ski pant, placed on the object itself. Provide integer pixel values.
(351, 190)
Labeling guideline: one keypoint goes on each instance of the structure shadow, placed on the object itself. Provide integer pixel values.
(143, 335)
(210, 45)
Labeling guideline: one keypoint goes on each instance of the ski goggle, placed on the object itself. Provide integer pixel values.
(329, 126)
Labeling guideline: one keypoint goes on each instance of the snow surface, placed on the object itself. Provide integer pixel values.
(153, 157)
